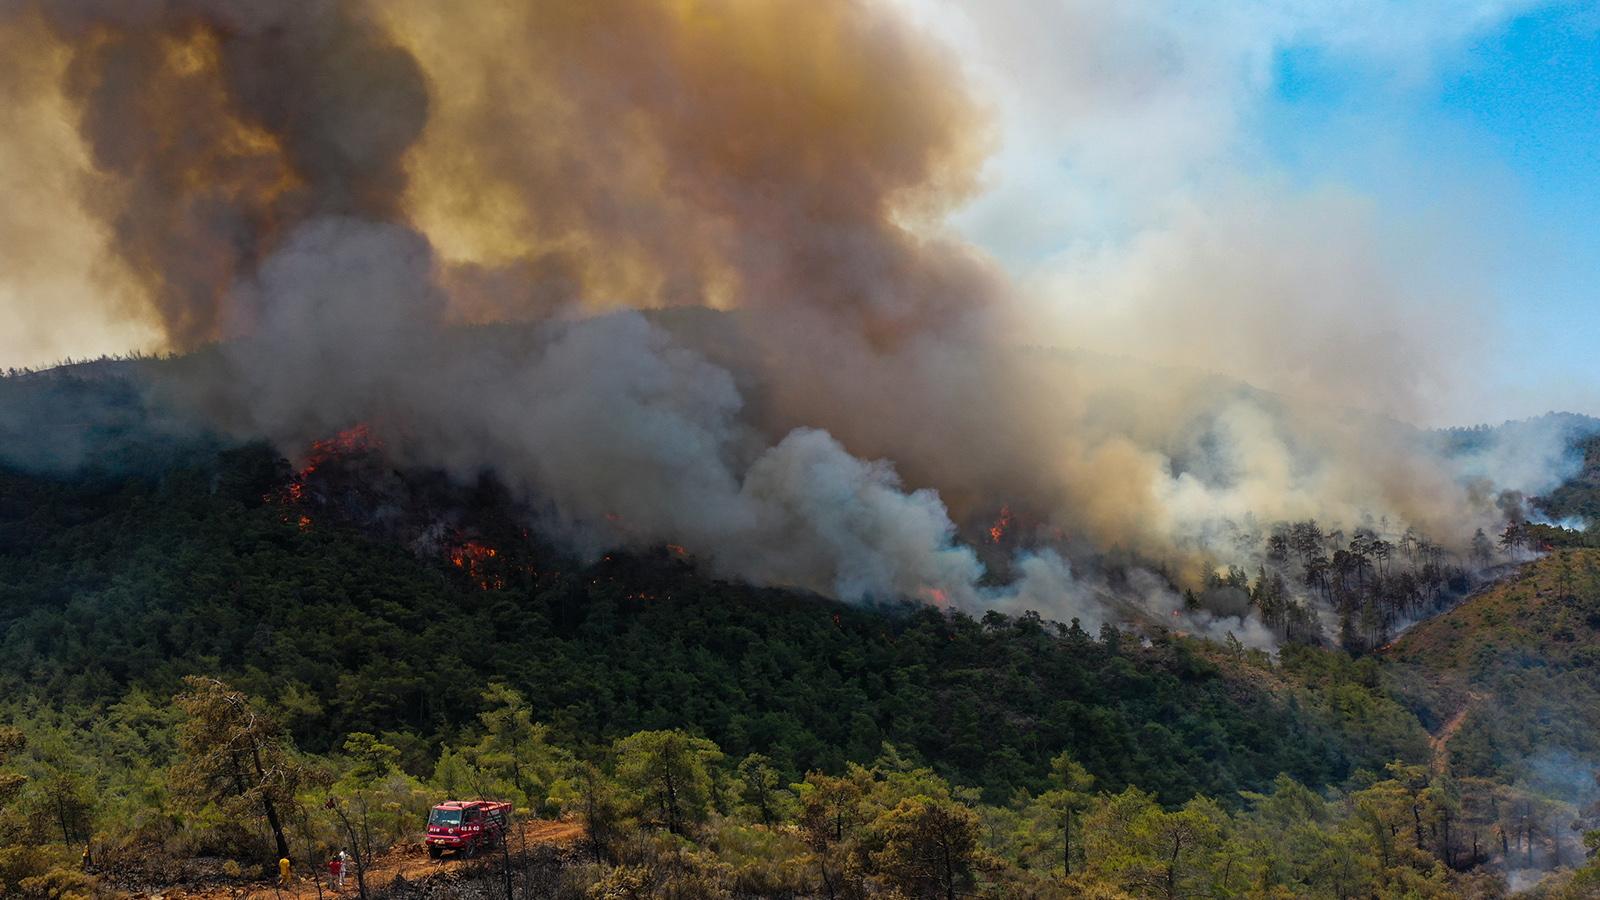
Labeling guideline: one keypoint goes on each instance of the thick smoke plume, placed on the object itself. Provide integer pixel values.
(221, 125)
(335, 188)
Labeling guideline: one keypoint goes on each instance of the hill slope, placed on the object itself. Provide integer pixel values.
(353, 596)
(1579, 496)
(1519, 664)
(117, 582)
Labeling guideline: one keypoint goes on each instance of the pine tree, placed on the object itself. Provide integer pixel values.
(233, 754)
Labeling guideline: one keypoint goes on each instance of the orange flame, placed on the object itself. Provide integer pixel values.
(998, 529)
(357, 439)
(353, 440)
(473, 558)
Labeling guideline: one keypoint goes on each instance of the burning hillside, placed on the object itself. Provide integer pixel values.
(333, 190)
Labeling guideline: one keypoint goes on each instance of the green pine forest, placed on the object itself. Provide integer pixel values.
(713, 739)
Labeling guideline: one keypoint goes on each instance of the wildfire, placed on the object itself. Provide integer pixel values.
(998, 529)
(474, 558)
(677, 550)
(471, 552)
(935, 596)
(353, 440)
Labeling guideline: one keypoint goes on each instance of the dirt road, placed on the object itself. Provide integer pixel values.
(410, 861)
(1440, 742)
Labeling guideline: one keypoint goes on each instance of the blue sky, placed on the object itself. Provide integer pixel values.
(1391, 192)
(1511, 120)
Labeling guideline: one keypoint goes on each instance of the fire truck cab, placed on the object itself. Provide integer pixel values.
(466, 826)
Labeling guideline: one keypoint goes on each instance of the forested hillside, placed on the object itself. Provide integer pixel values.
(126, 583)
(1579, 497)
(484, 661)
(1520, 665)
(400, 638)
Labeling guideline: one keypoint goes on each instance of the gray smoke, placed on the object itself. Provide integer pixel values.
(334, 186)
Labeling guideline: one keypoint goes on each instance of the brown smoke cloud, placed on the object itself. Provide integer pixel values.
(698, 153)
(220, 124)
(55, 299)
(329, 184)
(615, 153)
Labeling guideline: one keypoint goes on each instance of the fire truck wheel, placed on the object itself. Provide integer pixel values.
(470, 850)
(435, 851)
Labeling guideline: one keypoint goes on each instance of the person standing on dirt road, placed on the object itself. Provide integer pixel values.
(336, 872)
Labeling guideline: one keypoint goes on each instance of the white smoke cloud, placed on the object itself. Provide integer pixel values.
(1151, 94)
(1134, 194)
(621, 434)
(830, 514)
(1528, 457)
(328, 321)
(633, 438)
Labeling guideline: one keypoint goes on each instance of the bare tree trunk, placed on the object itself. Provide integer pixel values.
(267, 805)
(1066, 853)
(361, 866)
(949, 872)
(1172, 870)
(61, 813)
(671, 797)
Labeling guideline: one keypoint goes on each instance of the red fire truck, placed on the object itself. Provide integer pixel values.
(466, 826)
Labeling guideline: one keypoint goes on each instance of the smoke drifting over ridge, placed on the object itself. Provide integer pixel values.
(329, 185)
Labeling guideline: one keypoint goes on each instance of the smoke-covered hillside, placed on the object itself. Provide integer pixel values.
(1576, 502)
(323, 198)
(350, 596)
(1507, 683)
(641, 410)
(827, 523)
(115, 584)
